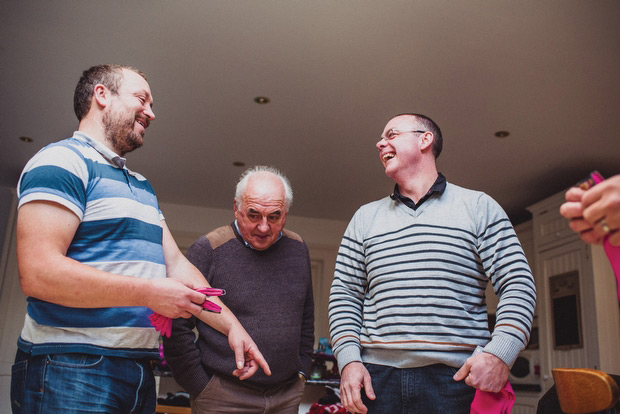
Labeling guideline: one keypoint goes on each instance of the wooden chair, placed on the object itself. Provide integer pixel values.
(169, 409)
(584, 390)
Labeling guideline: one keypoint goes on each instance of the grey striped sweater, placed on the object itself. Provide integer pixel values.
(409, 285)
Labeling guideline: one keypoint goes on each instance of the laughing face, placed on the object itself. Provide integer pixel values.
(129, 113)
(399, 147)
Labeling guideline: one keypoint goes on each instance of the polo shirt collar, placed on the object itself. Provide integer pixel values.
(110, 155)
(438, 187)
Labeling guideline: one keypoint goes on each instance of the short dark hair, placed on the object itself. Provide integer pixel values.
(109, 76)
(431, 126)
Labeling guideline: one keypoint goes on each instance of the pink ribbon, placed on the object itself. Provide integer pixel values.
(163, 324)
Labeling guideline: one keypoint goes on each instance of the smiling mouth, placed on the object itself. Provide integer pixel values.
(387, 156)
(143, 122)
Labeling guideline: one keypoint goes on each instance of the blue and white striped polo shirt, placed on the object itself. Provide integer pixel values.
(120, 232)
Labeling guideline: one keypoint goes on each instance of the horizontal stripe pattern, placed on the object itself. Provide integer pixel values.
(135, 342)
(415, 280)
(120, 232)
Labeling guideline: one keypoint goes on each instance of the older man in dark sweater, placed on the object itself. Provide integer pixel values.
(265, 271)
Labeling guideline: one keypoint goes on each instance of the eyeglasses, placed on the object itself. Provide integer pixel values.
(393, 133)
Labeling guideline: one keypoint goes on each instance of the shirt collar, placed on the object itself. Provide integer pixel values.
(438, 187)
(245, 242)
(110, 155)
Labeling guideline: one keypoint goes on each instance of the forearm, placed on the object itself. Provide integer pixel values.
(306, 347)
(223, 322)
(345, 321)
(64, 281)
(183, 357)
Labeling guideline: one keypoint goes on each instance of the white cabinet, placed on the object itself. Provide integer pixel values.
(578, 313)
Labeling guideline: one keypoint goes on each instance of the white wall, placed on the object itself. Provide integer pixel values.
(12, 300)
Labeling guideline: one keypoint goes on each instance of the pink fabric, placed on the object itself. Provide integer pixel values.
(163, 324)
(494, 402)
(613, 254)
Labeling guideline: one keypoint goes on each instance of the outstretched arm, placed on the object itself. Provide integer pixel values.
(247, 356)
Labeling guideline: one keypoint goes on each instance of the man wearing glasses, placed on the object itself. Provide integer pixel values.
(407, 305)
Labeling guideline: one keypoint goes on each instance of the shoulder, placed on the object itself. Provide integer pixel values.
(370, 212)
(384, 203)
(457, 190)
(58, 154)
(480, 207)
(220, 236)
(292, 235)
(462, 194)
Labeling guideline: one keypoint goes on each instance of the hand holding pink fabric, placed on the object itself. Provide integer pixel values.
(163, 324)
(595, 214)
(494, 402)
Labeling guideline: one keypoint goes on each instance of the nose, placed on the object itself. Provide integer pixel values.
(149, 113)
(382, 143)
(263, 226)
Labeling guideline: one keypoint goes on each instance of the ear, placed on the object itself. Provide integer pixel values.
(235, 208)
(426, 141)
(101, 95)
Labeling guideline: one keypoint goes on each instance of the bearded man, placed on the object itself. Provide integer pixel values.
(96, 258)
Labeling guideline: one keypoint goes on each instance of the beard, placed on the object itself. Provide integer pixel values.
(119, 131)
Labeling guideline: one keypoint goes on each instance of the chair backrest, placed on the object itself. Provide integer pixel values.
(584, 390)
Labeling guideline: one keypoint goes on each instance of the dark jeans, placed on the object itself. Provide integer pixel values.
(80, 383)
(423, 390)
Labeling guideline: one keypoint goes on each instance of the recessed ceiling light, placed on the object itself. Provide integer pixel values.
(26, 139)
(262, 100)
(502, 134)
(239, 164)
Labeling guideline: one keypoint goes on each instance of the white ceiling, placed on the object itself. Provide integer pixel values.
(335, 71)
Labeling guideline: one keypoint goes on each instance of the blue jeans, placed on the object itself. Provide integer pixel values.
(423, 390)
(80, 383)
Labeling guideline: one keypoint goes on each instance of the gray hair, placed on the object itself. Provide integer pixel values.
(245, 176)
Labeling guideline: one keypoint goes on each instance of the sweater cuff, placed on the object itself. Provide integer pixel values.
(194, 382)
(504, 348)
(347, 354)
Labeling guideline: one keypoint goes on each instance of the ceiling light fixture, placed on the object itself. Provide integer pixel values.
(26, 139)
(262, 100)
(502, 134)
(239, 164)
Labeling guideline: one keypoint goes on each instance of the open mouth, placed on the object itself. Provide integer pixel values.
(387, 156)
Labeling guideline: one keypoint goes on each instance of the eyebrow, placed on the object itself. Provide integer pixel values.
(251, 210)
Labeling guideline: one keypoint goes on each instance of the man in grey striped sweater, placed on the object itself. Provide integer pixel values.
(407, 305)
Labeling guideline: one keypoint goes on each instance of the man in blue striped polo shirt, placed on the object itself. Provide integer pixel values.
(96, 258)
(407, 306)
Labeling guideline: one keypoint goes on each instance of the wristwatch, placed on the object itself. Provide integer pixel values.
(302, 376)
